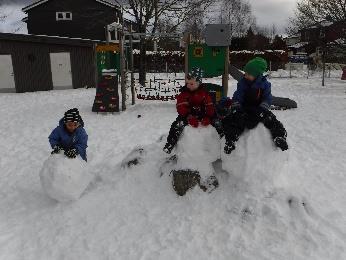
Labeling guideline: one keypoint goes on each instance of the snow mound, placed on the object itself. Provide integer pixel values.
(64, 179)
(197, 149)
(256, 161)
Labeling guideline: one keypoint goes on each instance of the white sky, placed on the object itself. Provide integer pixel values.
(268, 12)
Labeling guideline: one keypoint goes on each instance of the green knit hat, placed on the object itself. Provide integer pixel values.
(256, 67)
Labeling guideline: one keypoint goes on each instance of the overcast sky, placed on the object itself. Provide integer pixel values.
(267, 12)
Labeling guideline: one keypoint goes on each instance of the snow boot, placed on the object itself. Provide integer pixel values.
(168, 148)
(229, 147)
(281, 143)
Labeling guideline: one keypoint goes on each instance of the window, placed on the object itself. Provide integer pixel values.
(63, 16)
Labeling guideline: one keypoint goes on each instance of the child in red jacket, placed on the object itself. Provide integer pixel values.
(195, 107)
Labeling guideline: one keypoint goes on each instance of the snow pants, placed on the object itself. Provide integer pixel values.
(179, 124)
(235, 124)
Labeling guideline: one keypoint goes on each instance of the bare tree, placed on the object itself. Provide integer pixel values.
(147, 15)
(238, 14)
(195, 24)
(319, 13)
(3, 15)
(310, 12)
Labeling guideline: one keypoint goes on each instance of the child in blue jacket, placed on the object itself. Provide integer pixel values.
(251, 105)
(70, 136)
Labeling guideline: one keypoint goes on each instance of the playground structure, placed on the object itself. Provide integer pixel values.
(115, 64)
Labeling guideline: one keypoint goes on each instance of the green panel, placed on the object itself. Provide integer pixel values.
(210, 59)
(107, 60)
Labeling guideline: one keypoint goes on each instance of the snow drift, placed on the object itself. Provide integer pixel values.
(64, 179)
(130, 212)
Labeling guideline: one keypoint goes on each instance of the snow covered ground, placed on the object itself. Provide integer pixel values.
(133, 213)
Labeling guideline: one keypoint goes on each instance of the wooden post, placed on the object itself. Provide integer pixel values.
(225, 75)
(122, 63)
(133, 91)
(122, 72)
(270, 69)
(323, 66)
(187, 43)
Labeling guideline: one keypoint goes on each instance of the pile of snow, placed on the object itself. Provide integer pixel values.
(133, 213)
(197, 149)
(64, 179)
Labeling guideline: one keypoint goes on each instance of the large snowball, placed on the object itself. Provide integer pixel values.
(197, 149)
(64, 179)
(256, 160)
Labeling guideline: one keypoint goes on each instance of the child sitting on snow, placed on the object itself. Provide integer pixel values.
(194, 106)
(250, 105)
(70, 136)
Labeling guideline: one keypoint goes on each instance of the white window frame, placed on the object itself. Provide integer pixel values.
(64, 17)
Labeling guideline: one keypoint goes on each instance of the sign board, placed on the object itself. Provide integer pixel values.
(210, 59)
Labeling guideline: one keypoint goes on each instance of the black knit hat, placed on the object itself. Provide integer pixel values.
(196, 73)
(72, 115)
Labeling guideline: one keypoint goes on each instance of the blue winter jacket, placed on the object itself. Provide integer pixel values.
(78, 139)
(253, 95)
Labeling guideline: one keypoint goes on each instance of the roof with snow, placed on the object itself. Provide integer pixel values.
(292, 36)
(324, 23)
(48, 39)
(298, 45)
(110, 3)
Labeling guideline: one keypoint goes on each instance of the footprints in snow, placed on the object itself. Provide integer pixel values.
(300, 206)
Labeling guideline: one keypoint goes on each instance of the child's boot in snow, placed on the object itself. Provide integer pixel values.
(281, 143)
(168, 148)
(229, 147)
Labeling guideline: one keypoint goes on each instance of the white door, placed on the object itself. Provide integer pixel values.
(6, 74)
(61, 70)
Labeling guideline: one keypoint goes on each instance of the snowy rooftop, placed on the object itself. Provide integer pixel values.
(298, 45)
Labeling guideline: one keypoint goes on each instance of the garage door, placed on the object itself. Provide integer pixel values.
(61, 70)
(6, 74)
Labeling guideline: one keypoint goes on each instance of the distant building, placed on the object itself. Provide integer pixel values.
(293, 39)
(310, 40)
(38, 63)
(85, 19)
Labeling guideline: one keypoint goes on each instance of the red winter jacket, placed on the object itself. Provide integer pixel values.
(197, 103)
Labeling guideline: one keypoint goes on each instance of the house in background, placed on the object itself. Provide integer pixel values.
(322, 33)
(85, 19)
(292, 39)
(37, 63)
(311, 40)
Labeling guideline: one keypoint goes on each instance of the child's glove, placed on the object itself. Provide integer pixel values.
(56, 149)
(72, 153)
(205, 121)
(193, 121)
(281, 143)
